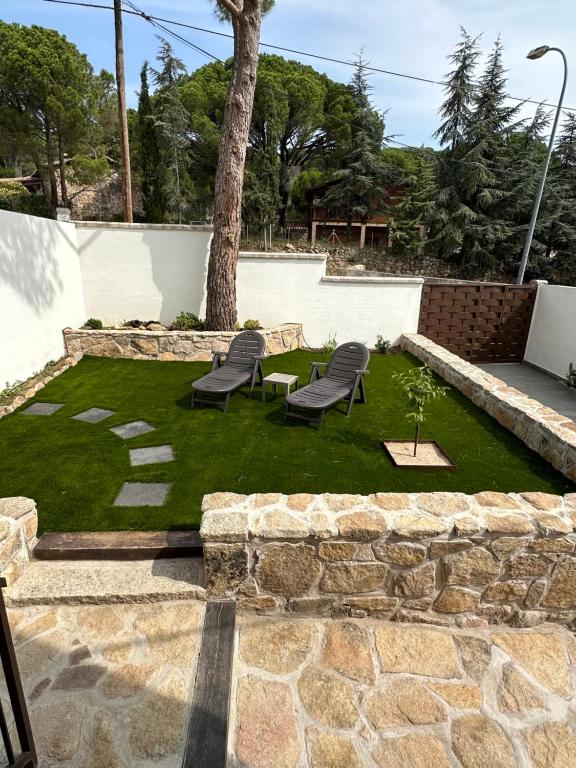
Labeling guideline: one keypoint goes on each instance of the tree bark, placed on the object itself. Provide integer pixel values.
(62, 168)
(51, 171)
(221, 280)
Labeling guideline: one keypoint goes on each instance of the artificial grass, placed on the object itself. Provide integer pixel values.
(74, 470)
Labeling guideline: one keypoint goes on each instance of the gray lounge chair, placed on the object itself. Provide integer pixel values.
(344, 377)
(240, 365)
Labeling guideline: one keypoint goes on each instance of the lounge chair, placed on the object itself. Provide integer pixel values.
(240, 365)
(344, 377)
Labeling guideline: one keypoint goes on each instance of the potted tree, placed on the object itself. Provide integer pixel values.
(419, 389)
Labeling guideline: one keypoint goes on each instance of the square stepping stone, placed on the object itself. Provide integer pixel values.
(133, 429)
(93, 415)
(42, 409)
(142, 495)
(154, 454)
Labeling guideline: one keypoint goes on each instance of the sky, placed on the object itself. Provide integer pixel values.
(408, 36)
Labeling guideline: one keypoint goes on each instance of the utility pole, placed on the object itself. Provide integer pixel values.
(124, 143)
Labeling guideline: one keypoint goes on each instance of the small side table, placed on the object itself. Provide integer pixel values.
(284, 379)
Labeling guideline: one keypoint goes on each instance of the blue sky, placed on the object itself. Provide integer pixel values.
(412, 36)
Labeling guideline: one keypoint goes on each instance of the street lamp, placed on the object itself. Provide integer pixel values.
(537, 53)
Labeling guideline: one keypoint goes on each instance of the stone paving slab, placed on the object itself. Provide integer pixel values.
(42, 409)
(108, 686)
(154, 454)
(132, 429)
(93, 415)
(142, 495)
(94, 581)
(318, 693)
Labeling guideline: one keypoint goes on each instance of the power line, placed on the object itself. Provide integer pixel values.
(331, 59)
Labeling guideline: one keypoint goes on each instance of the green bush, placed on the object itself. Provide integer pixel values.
(251, 325)
(329, 345)
(187, 321)
(383, 345)
(15, 197)
(94, 324)
(571, 378)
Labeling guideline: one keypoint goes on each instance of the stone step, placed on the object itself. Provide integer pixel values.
(94, 582)
(118, 545)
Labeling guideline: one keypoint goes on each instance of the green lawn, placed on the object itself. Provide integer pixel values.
(75, 470)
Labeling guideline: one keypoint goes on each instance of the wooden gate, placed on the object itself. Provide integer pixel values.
(481, 322)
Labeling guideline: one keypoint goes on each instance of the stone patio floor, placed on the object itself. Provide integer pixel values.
(346, 693)
(109, 686)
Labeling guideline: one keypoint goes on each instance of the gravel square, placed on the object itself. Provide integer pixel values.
(42, 409)
(142, 495)
(93, 415)
(133, 429)
(154, 454)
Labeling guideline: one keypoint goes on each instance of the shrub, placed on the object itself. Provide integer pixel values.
(10, 391)
(571, 378)
(187, 321)
(383, 345)
(94, 324)
(251, 325)
(329, 345)
(15, 197)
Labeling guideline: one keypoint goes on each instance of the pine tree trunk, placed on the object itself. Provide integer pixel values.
(221, 281)
(63, 185)
(51, 171)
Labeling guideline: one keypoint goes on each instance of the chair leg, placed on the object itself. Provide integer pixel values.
(321, 420)
(362, 388)
(226, 401)
(192, 399)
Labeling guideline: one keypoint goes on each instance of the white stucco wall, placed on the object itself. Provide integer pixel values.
(552, 339)
(40, 292)
(145, 272)
(275, 288)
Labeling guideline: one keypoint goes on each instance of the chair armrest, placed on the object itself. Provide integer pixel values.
(362, 373)
(315, 372)
(218, 359)
(315, 365)
(260, 357)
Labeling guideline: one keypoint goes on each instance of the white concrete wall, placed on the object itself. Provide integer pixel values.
(142, 271)
(275, 288)
(552, 338)
(40, 292)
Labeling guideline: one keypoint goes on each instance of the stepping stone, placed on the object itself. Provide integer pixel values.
(134, 428)
(155, 454)
(42, 409)
(93, 415)
(142, 495)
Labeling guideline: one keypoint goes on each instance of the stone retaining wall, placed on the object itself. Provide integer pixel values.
(18, 527)
(171, 345)
(440, 558)
(542, 429)
(27, 389)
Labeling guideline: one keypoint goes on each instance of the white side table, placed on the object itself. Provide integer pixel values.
(284, 379)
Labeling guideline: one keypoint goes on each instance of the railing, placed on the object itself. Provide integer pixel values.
(24, 755)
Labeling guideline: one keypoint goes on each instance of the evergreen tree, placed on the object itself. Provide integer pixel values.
(151, 162)
(362, 187)
(171, 122)
(561, 244)
(415, 205)
(459, 90)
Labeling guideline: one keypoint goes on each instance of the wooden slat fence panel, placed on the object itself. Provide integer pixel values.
(480, 322)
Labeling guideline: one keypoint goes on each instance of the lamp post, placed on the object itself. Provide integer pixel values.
(537, 53)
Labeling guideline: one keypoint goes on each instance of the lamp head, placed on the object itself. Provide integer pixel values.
(537, 53)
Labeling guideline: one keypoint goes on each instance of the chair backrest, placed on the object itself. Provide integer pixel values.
(346, 360)
(245, 347)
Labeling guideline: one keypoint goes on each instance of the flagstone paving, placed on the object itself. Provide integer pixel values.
(348, 694)
(108, 686)
(132, 429)
(142, 495)
(42, 409)
(153, 454)
(93, 415)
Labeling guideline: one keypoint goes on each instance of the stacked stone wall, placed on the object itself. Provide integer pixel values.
(542, 429)
(440, 558)
(18, 528)
(171, 345)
